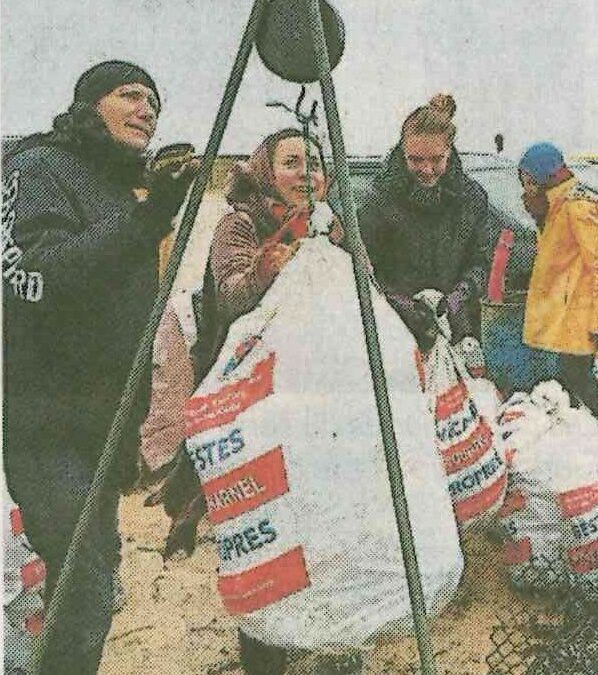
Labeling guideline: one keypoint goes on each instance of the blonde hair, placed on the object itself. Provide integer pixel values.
(433, 118)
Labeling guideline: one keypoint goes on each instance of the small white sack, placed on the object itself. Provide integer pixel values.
(285, 438)
(550, 515)
(24, 577)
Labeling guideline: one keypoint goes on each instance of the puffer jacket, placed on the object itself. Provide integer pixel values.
(80, 276)
(562, 303)
(416, 243)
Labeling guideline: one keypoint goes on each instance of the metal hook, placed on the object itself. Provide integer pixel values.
(304, 119)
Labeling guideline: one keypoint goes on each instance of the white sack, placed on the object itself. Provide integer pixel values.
(290, 456)
(550, 515)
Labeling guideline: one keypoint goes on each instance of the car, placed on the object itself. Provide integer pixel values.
(498, 175)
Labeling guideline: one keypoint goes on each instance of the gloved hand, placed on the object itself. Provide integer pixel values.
(169, 176)
(419, 318)
(184, 502)
(425, 327)
(454, 305)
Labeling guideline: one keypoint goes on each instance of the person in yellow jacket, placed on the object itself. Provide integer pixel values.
(562, 303)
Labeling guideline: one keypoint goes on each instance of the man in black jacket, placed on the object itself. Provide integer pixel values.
(424, 225)
(80, 265)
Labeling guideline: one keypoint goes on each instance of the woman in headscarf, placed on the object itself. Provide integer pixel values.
(273, 207)
(277, 198)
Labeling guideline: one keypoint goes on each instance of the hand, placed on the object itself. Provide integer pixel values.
(424, 327)
(274, 257)
(170, 174)
(455, 305)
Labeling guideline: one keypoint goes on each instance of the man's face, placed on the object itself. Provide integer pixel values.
(427, 157)
(130, 113)
(530, 187)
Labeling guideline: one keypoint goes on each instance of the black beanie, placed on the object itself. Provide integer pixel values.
(104, 77)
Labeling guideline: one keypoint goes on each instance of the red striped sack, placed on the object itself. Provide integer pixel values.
(473, 458)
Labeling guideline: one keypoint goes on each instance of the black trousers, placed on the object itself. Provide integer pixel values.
(50, 487)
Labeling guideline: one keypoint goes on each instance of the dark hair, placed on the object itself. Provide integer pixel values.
(256, 176)
(433, 118)
(83, 132)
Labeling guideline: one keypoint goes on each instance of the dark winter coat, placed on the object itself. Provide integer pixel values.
(420, 239)
(80, 276)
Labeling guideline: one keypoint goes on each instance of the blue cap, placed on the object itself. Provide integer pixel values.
(541, 161)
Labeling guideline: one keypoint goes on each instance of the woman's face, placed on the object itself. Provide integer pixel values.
(427, 157)
(289, 167)
(130, 112)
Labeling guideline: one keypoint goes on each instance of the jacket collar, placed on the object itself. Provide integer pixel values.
(396, 180)
(556, 195)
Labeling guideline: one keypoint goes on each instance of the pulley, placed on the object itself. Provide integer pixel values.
(284, 39)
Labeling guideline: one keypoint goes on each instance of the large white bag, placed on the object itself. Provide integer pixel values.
(550, 516)
(285, 438)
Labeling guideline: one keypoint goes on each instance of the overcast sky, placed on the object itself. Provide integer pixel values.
(527, 68)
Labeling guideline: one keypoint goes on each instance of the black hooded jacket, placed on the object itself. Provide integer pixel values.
(420, 239)
(80, 276)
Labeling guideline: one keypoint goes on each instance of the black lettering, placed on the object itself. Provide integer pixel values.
(468, 482)
(197, 459)
(35, 287)
(207, 448)
(454, 488)
(239, 544)
(267, 530)
(479, 475)
(236, 440)
(252, 538)
(12, 256)
(18, 282)
(226, 548)
(223, 454)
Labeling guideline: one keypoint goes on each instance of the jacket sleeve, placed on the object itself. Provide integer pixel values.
(234, 260)
(583, 219)
(44, 235)
(474, 281)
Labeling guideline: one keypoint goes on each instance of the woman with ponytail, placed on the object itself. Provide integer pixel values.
(424, 224)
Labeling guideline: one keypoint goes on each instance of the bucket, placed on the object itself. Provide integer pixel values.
(511, 364)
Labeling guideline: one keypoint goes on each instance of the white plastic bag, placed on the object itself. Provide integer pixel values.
(550, 515)
(473, 457)
(24, 577)
(285, 438)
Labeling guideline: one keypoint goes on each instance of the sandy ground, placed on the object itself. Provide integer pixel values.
(173, 621)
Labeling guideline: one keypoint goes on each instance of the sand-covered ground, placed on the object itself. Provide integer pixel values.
(174, 623)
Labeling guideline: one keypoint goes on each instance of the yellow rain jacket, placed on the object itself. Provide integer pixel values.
(562, 303)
